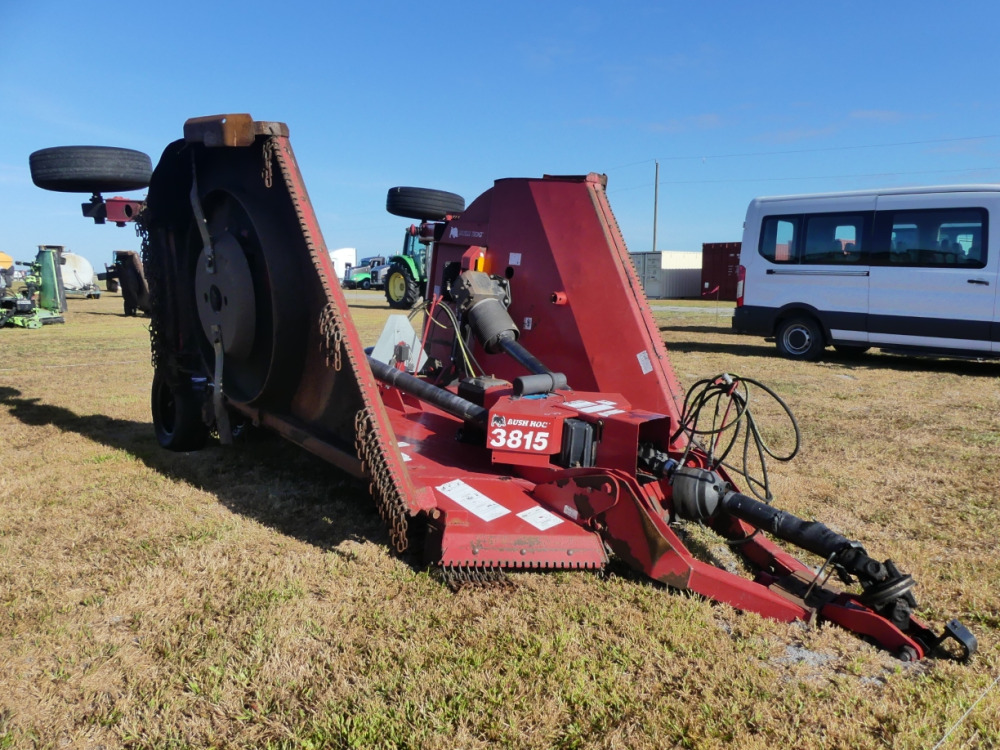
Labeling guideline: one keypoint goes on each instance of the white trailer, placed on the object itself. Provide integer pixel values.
(343, 258)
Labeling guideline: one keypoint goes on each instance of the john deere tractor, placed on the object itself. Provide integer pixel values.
(406, 277)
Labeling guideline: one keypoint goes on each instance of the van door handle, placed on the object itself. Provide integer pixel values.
(984, 282)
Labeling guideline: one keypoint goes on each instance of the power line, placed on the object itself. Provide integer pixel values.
(808, 150)
(812, 177)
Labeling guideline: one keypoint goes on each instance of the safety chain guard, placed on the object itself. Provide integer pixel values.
(369, 441)
(151, 270)
(458, 577)
(382, 487)
(332, 336)
(266, 173)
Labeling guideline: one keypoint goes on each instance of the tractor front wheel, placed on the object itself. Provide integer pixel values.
(401, 291)
(177, 418)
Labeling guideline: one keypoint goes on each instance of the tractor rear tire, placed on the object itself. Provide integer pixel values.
(423, 203)
(177, 418)
(90, 169)
(401, 290)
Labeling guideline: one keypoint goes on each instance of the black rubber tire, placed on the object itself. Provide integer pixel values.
(130, 294)
(177, 418)
(366, 284)
(423, 203)
(851, 349)
(401, 290)
(800, 338)
(90, 169)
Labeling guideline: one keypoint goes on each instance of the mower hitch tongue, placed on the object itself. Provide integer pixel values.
(533, 421)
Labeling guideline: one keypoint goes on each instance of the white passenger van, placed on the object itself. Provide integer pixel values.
(908, 269)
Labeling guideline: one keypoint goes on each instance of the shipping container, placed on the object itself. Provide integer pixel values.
(669, 274)
(647, 268)
(720, 262)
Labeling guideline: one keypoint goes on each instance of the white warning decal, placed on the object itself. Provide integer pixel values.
(644, 362)
(540, 518)
(599, 408)
(472, 500)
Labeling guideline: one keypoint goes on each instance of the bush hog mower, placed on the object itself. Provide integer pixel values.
(534, 422)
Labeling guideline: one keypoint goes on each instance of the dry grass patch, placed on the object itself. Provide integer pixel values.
(247, 597)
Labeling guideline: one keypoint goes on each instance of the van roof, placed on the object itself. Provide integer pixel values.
(915, 190)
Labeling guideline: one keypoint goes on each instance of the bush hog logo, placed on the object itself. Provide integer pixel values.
(455, 233)
(524, 423)
(499, 421)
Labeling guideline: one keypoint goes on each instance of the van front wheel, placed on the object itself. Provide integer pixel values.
(800, 338)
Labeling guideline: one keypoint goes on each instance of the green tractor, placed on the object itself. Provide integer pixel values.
(406, 277)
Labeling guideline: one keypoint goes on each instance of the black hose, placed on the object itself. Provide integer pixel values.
(727, 397)
(526, 359)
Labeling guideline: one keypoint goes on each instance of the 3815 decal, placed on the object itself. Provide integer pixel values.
(515, 434)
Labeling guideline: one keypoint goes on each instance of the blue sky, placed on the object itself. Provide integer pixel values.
(735, 100)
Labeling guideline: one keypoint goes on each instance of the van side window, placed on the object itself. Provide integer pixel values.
(834, 238)
(932, 238)
(778, 238)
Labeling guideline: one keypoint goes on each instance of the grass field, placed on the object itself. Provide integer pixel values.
(247, 597)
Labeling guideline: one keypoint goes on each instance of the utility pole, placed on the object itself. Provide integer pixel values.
(656, 200)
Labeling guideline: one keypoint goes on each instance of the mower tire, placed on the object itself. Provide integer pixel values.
(90, 169)
(177, 418)
(401, 290)
(423, 203)
(800, 338)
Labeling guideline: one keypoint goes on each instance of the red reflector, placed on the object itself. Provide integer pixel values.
(741, 277)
